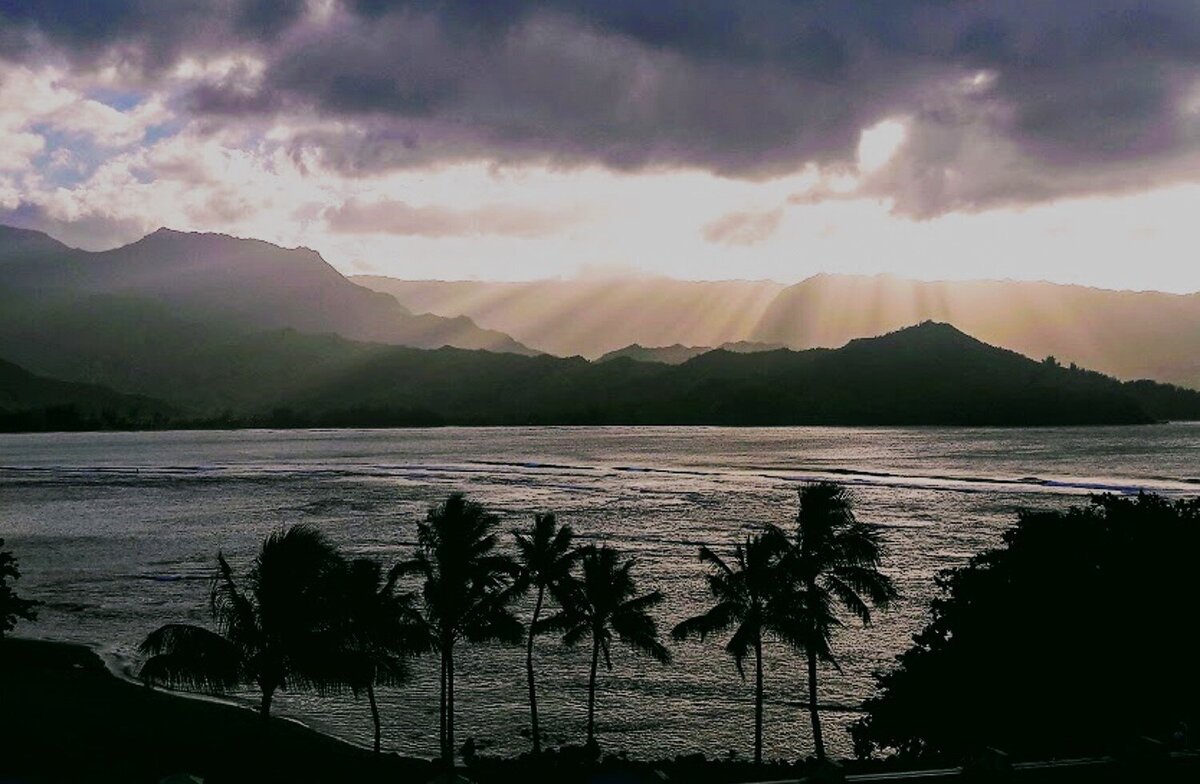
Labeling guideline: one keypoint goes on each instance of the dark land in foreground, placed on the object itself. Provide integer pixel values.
(65, 718)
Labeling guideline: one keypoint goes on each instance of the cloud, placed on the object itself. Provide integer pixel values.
(1070, 98)
(743, 228)
(400, 218)
(92, 231)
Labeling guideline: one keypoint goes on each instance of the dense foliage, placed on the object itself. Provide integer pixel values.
(12, 607)
(1074, 636)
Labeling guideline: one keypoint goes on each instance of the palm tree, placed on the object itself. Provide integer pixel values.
(274, 634)
(545, 556)
(833, 562)
(603, 602)
(466, 591)
(379, 630)
(749, 601)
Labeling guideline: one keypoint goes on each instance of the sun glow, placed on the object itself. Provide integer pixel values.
(879, 143)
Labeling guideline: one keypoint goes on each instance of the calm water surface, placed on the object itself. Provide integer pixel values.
(117, 533)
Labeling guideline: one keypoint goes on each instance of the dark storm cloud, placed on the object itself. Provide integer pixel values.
(147, 33)
(1073, 97)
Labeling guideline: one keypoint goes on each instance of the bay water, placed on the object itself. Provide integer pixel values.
(118, 533)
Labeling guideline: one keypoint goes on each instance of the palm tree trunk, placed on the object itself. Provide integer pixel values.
(264, 709)
(450, 706)
(374, 713)
(442, 708)
(591, 725)
(533, 717)
(758, 701)
(813, 710)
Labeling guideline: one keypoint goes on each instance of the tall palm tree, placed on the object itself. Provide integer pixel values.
(749, 600)
(379, 629)
(604, 602)
(466, 589)
(275, 633)
(545, 556)
(833, 562)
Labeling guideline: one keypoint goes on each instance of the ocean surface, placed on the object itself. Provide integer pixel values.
(118, 532)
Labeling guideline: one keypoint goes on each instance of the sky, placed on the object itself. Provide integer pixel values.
(511, 140)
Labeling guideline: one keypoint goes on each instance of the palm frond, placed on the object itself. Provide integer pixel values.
(712, 559)
(641, 603)
(235, 614)
(716, 619)
(741, 644)
(555, 622)
(848, 598)
(573, 635)
(183, 655)
(640, 632)
(877, 587)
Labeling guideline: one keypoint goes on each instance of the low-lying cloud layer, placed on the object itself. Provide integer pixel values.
(397, 217)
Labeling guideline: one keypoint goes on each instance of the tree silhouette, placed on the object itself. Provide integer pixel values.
(750, 601)
(601, 603)
(275, 633)
(833, 562)
(379, 629)
(467, 587)
(12, 607)
(1073, 636)
(545, 556)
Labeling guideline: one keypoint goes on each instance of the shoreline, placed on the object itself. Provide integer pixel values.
(113, 664)
(223, 428)
(69, 717)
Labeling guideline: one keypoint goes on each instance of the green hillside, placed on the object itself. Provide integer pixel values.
(31, 402)
(930, 374)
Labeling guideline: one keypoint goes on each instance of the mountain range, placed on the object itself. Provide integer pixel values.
(210, 279)
(206, 330)
(592, 317)
(1126, 334)
(927, 374)
(678, 354)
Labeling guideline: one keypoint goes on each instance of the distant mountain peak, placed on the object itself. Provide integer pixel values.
(15, 239)
(928, 332)
(236, 282)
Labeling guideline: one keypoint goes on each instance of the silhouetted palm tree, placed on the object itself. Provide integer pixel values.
(602, 602)
(749, 600)
(379, 629)
(834, 561)
(275, 633)
(545, 555)
(467, 587)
